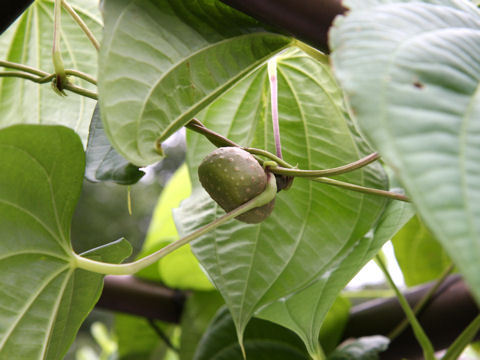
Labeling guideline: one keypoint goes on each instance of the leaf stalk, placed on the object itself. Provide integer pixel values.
(131, 268)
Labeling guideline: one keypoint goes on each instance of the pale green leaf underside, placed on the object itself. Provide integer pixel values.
(253, 265)
(29, 41)
(43, 299)
(163, 61)
(412, 71)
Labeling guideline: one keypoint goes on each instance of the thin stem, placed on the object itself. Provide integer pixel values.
(421, 304)
(41, 80)
(423, 340)
(81, 23)
(81, 75)
(20, 74)
(327, 172)
(128, 269)
(24, 68)
(81, 91)
(268, 155)
(56, 52)
(362, 189)
(272, 76)
(465, 338)
(42, 75)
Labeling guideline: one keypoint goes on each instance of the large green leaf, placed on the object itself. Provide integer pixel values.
(162, 61)
(411, 71)
(43, 297)
(420, 257)
(254, 265)
(304, 312)
(263, 340)
(29, 41)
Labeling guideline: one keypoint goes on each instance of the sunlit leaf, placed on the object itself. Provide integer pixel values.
(420, 257)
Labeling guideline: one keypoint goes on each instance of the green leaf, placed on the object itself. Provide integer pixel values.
(304, 312)
(312, 224)
(179, 269)
(104, 163)
(29, 41)
(263, 340)
(197, 314)
(411, 72)
(163, 61)
(43, 298)
(334, 324)
(364, 348)
(420, 257)
(137, 339)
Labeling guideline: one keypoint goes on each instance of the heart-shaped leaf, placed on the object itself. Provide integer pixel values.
(43, 297)
(312, 224)
(163, 61)
(29, 42)
(304, 312)
(411, 71)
